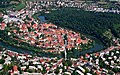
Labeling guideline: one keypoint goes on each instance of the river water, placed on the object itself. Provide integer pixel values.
(13, 48)
(42, 19)
(97, 46)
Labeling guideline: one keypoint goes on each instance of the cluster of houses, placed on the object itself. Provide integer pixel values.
(41, 4)
(63, 3)
(88, 6)
(104, 62)
(100, 9)
(43, 35)
(52, 38)
(59, 3)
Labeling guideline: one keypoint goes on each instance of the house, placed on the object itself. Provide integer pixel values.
(7, 62)
(115, 0)
(89, 74)
(79, 72)
(1, 14)
(1, 66)
(21, 57)
(68, 73)
(27, 73)
(0, 56)
(82, 69)
(23, 68)
(32, 67)
(15, 70)
(40, 67)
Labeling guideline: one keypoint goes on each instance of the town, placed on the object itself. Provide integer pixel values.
(21, 27)
(104, 62)
(24, 28)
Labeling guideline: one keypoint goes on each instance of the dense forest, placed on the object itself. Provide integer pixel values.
(90, 23)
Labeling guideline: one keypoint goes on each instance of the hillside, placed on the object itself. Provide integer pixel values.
(91, 23)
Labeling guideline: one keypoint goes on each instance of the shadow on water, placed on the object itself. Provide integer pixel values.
(97, 47)
(77, 53)
(25, 51)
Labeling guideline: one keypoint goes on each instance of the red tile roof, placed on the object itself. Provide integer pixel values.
(15, 68)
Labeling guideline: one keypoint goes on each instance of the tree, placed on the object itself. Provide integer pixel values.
(1, 19)
(57, 71)
(2, 61)
(75, 73)
(94, 24)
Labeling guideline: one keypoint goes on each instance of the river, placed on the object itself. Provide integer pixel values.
(42, 19)
(97, 46)
(13, 48)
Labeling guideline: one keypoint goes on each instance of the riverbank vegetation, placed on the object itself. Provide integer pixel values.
(20, 6)
(116, 28)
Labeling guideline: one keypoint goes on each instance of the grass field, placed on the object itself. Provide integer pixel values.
(117, 27)
(35, 17)
(20, 6)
